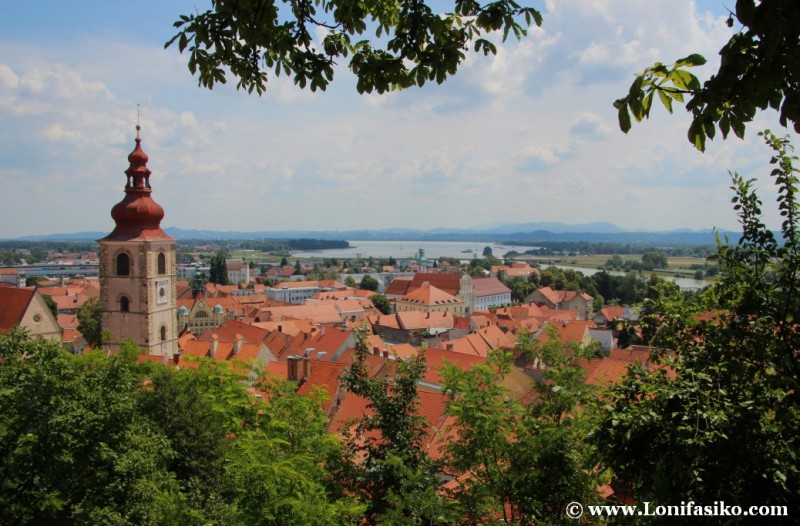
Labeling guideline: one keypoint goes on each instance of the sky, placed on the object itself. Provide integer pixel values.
(527, 135)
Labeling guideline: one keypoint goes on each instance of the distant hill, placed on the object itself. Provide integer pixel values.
(498, 232)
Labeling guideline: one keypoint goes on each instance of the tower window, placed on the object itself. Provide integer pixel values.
(162, 263)
(123, 265)
(124, 304)
(163, 333)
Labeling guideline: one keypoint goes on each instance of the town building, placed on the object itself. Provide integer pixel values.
(28, 309)
(575, 300)
(298, 292)
(137, 267)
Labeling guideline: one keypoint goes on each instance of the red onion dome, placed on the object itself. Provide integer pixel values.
(137, 215)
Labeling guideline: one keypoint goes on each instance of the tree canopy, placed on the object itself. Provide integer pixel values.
(720, 393)
(412, 43)
(218, 272)
(759, 69)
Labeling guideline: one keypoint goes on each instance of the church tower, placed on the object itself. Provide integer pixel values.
(137, 268)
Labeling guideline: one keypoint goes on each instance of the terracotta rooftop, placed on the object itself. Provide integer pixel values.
(13, 304)
(489, 287)
(428, 294)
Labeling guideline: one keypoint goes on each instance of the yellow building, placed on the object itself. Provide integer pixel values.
(428, 298)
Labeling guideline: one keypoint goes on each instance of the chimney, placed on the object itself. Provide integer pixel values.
(306, 368)
(375, 350)
(280, 328)
(237, 343)
(386, 354)
(214, 344)
(291, 367)
(449, 346)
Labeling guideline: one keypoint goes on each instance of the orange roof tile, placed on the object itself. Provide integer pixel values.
(398, 287)
(489, 287)
(427, 294)
(436, 359)
(13, 304)
(449, 283)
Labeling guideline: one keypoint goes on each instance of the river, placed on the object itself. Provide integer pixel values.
(683, 283)
(452, 249)
(408, 250)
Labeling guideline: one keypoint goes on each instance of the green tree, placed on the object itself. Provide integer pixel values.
(525, 464)
(369, 283)
(89, 323)
(381, 302)
(218, 273)
(758, 70)
(297, 268)
(51, 304)
(284, 262)
(720, 393)
(521, 288)
(413, 43)
(487, 251)
(385, 462)
(350, 282)
(72, 450)
(654, 260)
(100, 439)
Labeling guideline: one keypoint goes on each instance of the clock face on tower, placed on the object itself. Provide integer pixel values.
(162, 292)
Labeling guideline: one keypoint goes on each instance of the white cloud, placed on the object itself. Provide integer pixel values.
(529, 134)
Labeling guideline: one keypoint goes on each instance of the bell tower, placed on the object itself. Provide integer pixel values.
(137, 267)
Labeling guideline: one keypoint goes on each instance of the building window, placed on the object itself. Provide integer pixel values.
(163, 333)
(123, 265)
(162, 263)
(124, 304)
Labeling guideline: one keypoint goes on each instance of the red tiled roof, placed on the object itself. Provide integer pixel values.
(449, 283)
(13, 304)
(489, 287)
(436, 359)
(428, 294)
(496, 338)
(569, 332)
(230, 328)
(398, 287)
(324, 375)
(612, 313)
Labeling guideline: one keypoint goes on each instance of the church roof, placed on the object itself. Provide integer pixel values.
(137, 216)
(13, 304)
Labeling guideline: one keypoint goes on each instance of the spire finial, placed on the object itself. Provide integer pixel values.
(138, 127)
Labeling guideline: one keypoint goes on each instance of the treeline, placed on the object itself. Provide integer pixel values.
(316, 244)
(16, 252)
(573, 248)
(606, 289)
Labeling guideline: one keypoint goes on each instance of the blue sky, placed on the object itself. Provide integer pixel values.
(528, 135)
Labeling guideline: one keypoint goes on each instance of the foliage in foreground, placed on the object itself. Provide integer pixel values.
(413, 43)
(98, 439)
(717, 415)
